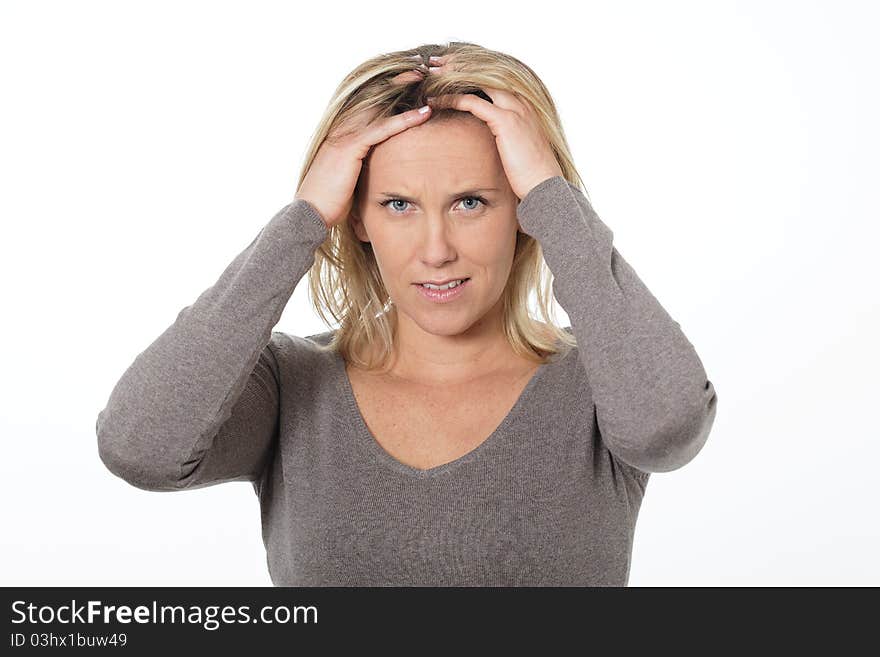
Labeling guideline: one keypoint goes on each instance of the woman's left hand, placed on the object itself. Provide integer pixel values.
(524, 150)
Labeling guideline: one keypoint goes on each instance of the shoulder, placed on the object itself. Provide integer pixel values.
(566, 366)
(295, 350)
(565, 352)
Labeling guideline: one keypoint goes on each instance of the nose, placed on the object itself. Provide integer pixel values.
(437, 241)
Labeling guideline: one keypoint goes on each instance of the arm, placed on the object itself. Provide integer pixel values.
(654, 404)
(199, 406)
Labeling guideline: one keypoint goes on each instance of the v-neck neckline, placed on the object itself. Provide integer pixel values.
(366, 439)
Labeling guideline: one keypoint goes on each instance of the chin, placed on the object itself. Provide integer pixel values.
(442, 322)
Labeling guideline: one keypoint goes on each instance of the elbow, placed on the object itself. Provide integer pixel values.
(123, 458)
(677, 442)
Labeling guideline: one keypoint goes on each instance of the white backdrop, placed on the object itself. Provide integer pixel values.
(732, 147)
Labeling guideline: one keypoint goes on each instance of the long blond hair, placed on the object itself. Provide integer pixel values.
(345, 281)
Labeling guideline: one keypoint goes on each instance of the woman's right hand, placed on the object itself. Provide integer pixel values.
(331, 179)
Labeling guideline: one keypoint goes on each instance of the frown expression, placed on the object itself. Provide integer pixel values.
(435, 204)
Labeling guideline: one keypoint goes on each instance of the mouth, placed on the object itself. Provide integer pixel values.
(442, 284)
(444, 294)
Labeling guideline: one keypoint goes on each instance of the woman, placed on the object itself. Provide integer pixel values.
(438, 436)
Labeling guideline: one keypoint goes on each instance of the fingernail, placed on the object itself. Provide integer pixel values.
(434, 58)
(434, 69)
(424, 109)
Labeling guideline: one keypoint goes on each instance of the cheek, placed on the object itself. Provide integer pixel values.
(488, 250)
(391, 252)
(494, 248)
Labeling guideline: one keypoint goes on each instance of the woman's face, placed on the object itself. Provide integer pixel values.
(435, 204)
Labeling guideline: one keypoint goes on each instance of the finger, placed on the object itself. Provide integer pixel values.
(390, 126)
(465, 102)
(504, 99)
(419, 60)
(440, 64)
(407, 77)
(501, 100)
(433, 60)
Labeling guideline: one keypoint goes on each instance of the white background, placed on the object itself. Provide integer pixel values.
(732, 147)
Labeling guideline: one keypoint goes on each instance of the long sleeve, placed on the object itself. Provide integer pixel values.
(654, 404)
(200, 405)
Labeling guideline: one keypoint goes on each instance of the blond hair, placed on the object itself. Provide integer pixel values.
(345, 281)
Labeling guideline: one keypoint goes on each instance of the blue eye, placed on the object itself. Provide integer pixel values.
(400, 200)
(477, 198)
(392, 200)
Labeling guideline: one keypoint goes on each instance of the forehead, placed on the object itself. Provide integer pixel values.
(457, 148)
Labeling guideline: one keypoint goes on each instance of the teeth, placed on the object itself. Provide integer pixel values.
(448, 286)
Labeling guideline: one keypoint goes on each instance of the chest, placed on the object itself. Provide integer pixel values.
(426, 427)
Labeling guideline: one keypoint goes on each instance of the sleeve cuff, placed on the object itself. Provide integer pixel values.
(307, 221)
(545, 197)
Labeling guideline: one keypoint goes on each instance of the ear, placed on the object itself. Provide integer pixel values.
(357, 225)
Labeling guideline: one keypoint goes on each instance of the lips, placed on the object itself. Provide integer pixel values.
(441, 295)
(444, 282)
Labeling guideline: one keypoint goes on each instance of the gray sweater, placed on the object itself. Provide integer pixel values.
(550, 498)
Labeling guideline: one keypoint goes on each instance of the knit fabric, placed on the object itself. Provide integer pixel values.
(550, 498)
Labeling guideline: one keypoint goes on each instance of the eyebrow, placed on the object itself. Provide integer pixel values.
(467, 192)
